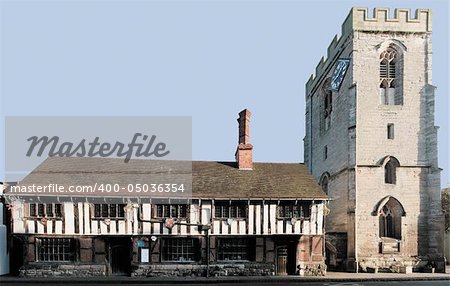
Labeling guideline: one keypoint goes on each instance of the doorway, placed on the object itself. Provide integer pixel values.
(286, 258)
(120, 256)
(16, 255)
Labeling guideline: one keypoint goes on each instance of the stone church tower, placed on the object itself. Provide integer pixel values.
(371, 142)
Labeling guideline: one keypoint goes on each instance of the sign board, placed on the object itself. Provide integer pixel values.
(145, 255)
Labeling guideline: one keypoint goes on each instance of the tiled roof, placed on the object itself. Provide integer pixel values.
(266, 180)
(210, 179)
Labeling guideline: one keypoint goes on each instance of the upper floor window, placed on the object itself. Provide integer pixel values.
(390, 77)
(109, 210)
(290, 210)
(171, 211)
(45, 210)
(230, 210)
(390, 171)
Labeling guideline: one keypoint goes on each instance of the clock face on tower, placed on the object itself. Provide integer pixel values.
(339, 74)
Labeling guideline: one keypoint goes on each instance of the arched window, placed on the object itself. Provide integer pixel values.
(324, 181)
(324, 184)
(390, 76)
(390, 171)
(327, 96)
(388, 60)
(390, 219)
(328, 103)
(386, 223)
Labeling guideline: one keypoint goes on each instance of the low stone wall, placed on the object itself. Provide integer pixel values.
(312, 269)
(69, 270)
(194, 270)
(387, 263)
(401, 264)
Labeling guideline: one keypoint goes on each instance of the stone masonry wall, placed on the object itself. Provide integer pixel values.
(415, 186)
(190, 270)
(339, 140)
(357, 139)
(62, 270)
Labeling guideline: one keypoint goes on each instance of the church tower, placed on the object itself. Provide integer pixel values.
(371, 142)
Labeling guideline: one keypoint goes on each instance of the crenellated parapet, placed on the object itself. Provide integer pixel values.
(402, 21)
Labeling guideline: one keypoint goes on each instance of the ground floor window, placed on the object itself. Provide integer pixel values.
(235, 249)
(390, 219)
(55, 249)
(180, 249)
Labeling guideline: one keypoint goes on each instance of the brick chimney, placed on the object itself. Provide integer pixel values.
(244, 150)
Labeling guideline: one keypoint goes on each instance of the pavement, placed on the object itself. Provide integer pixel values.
(330, 277)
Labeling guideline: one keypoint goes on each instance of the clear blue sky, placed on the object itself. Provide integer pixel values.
(205, 59)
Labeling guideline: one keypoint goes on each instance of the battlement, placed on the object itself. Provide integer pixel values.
(359, 20)
(402, 20)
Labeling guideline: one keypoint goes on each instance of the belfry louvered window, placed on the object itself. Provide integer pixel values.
(388, 60)
(391, 67)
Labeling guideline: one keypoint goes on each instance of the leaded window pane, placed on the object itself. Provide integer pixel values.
(55, 249)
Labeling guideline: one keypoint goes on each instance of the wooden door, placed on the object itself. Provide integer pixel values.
(120, 256)
(282, 260)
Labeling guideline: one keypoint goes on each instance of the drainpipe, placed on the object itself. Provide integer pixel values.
(206, 228)
(310, 134)
(207, 253)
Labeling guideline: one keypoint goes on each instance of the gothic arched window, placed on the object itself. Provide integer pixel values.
(324, 184)
(327, 96)
(388, 60)
(390, 76)
(390, 219)
(390, 171)
(386, 223)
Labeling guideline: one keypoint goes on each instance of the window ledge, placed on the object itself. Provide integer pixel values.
(390, 107)
(110, 218)
(233, 218)
(234, 261)
(42, 217)
(169, 262)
